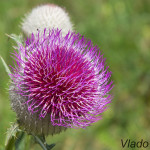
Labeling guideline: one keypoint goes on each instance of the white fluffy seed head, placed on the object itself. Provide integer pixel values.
(46, 16)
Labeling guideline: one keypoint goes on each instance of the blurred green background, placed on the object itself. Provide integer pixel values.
(121, 28)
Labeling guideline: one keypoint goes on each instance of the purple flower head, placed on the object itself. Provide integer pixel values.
(64, 78)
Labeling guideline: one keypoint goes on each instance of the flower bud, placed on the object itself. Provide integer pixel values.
(46, 16)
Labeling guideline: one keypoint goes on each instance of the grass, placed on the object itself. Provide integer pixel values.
(121, 30)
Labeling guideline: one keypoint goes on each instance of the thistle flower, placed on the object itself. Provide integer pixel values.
(59, 82)
(46, 16)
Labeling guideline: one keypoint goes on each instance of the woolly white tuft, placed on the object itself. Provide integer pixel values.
(46, 16)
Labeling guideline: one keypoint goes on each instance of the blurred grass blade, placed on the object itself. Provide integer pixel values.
(5, 65)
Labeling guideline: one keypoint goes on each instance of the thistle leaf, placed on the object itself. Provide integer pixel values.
(49, 147)
(19, 141)
(11, 136)
(5, 65)
(17, 38)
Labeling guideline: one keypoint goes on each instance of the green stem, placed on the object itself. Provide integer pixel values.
(40, 142)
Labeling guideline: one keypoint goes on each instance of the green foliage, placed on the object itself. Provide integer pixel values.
(5, 66)
(121, 30)
(11, 136)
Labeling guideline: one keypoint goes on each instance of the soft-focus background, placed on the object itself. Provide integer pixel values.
(121, 28)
